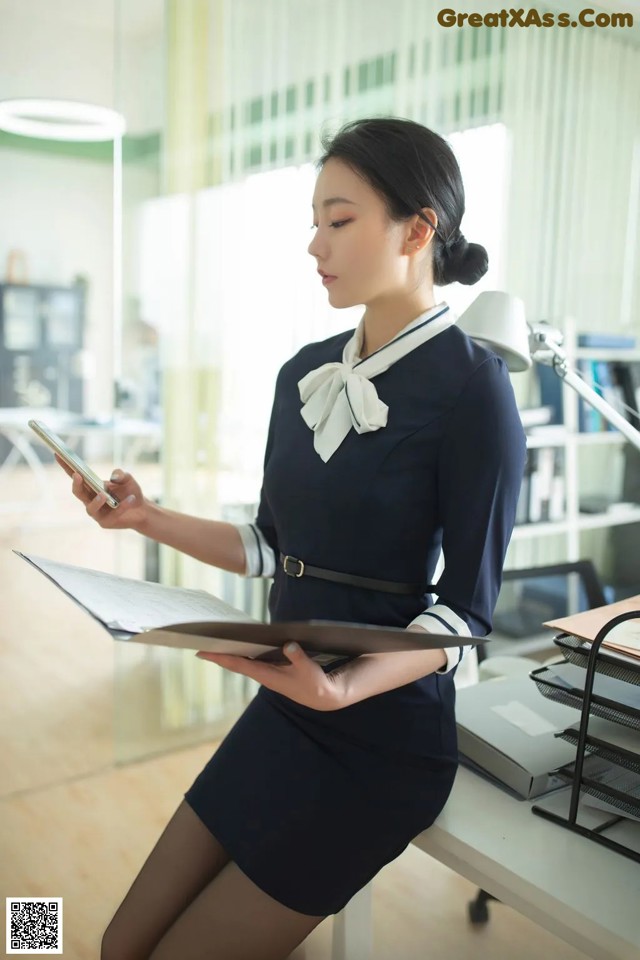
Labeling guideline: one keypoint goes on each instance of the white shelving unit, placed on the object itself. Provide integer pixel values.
(593, 463)
(537, 543)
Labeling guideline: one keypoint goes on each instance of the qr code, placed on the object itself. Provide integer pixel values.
(34, 925)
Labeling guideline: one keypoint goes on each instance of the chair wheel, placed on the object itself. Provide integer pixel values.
(478, 912)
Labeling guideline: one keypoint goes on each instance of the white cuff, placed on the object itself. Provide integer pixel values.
(442, 619)
(260, 557)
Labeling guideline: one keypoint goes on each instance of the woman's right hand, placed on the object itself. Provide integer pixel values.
(131, 512)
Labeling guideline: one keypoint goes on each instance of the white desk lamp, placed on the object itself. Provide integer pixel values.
(497, 320)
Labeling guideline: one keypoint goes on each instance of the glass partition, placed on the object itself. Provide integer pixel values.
(226, 101)
(56, 365)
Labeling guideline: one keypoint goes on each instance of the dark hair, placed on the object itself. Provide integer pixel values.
(411, 167)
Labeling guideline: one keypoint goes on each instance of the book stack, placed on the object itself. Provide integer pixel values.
(617, 382)
(627, 379)
(542, 494)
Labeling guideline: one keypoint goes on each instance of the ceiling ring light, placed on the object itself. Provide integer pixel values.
(60, 120)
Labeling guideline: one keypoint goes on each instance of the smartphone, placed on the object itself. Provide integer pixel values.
(72, 459)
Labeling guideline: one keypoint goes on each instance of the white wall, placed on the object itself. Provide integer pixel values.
(140, 94)
(53, 49)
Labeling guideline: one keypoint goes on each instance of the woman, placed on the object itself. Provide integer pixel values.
(385, 446)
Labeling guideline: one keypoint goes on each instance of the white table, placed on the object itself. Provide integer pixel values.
(14, 427)
(579, 890)
(72, 427)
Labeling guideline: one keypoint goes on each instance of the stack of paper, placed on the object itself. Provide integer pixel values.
(623, 638)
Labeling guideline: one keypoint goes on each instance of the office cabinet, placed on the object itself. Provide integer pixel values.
(41, 336)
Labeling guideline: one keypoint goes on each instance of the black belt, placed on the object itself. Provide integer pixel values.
(301, 569)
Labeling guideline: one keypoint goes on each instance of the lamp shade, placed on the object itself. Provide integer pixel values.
(497, 320)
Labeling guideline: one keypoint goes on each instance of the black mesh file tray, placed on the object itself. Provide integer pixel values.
(611, 703)
(609, 782)
(597, 747)
(605, 769)
(576, 651)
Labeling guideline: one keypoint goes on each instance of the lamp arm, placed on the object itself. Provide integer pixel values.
(545, 349)
(573, 380)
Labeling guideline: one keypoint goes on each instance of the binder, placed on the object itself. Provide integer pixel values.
(508, 733)
(136, 611)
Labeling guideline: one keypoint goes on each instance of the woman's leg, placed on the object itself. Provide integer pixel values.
(184, 860)
(232, 919)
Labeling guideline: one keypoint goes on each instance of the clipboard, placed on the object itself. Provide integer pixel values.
(120, 605)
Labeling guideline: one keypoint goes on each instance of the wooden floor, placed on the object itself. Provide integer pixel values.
(77, 824)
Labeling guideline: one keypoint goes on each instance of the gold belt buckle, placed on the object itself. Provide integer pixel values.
(293, 560)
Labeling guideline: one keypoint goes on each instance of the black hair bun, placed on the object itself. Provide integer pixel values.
(463, 262)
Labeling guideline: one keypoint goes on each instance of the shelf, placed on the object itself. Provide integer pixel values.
(604, 436)
(556, 440)
(582, 439)
(612, 518)
(584, 521)
(579, 438)
(523, 531)
(623, 354)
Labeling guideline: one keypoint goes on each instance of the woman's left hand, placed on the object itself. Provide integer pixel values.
(302, 679)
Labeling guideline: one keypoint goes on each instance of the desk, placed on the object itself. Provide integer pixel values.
(577, 889)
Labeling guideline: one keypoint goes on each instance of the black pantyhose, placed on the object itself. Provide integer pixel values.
(190, 902)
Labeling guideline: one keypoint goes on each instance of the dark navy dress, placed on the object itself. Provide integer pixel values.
(310, 804)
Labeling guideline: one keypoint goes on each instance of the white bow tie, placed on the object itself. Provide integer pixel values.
(339, 396)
